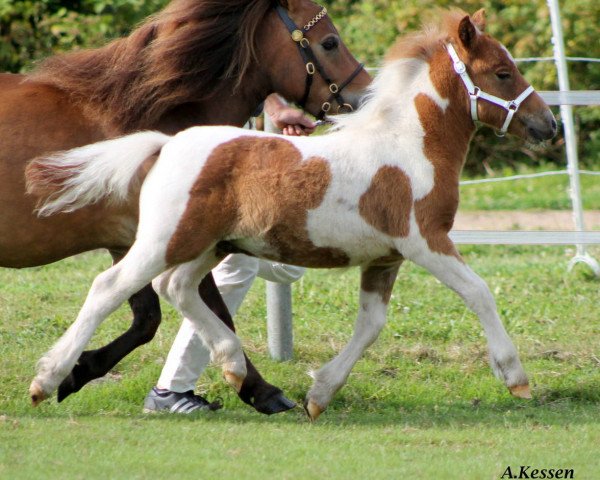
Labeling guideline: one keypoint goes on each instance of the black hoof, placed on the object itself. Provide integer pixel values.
(274, 404)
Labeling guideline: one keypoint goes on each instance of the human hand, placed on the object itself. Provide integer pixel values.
(287, 119)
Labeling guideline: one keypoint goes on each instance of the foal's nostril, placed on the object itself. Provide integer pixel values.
(554, 125)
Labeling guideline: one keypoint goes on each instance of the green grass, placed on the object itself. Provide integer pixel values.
(422, 403)
(546, 193)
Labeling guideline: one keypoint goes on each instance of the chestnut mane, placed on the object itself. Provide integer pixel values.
(179, 55)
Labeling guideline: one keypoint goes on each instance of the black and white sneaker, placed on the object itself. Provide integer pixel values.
(162, 400)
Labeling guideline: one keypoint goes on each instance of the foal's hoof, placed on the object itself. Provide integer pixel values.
(233, 380)
(274, 404)
(521, 391)
(312, 410)
(36, 394)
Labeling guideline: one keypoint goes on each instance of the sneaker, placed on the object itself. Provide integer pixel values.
(162, 400)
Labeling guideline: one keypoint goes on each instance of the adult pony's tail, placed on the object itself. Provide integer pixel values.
(69, 180)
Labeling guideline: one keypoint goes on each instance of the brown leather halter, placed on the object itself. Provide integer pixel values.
(314, 66)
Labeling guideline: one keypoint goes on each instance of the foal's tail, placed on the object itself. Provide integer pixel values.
(69, 180)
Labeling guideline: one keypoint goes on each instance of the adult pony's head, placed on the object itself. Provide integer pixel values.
(205, 55)
(474, 75)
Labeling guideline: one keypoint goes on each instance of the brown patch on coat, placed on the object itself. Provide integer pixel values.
(445, 145)
(379, 279)
(387, 203)
(253, 187)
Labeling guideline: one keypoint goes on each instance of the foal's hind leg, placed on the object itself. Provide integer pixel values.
(97, 363)
(108, 291)
(375, 290)
(456, 275)
(178, 286)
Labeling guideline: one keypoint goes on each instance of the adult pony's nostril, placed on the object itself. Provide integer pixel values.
(554, 125)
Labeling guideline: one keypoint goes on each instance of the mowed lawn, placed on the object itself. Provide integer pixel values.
(422, 404)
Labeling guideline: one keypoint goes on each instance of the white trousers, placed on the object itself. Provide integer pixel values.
(188, 356)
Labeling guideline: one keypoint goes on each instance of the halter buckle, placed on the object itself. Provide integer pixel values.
(345, 107)
(460, 67)
(304, 43)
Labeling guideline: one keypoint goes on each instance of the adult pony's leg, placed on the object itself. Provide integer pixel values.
(109, 290)
(255, 391)
(456, 275)
(375, 290)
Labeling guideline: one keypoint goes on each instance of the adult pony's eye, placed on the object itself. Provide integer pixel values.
(330, 43)
(503, 75)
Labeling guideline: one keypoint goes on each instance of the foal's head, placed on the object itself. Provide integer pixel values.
(307, 61)
(493, 73)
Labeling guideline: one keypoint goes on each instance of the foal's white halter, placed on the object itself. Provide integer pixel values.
(511, 106)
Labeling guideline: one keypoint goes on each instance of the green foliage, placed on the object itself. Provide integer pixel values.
(33, 29)
(370, 27)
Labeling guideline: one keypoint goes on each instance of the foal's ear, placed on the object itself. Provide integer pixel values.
(467, 32)
(479, 20)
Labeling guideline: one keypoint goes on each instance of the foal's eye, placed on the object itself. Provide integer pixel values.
(503, 75)
(330, 43)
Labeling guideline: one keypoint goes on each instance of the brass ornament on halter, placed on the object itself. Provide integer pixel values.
(333, 88)
(297, 36)
(310, 68)
(326, 106)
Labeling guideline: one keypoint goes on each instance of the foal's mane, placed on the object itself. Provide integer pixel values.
(181, 54)
(399, 65)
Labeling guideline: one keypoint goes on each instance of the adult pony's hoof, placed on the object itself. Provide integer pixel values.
(312, 410)
(521, 391)
(274, 404)
(36, 393)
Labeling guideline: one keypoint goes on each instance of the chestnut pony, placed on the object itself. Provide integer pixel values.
(380, 188)
(197, 62)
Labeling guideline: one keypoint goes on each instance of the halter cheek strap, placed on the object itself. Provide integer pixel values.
(314, 66)
(475, 93)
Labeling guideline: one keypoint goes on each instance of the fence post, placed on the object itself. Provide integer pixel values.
(566, 112)
(279, 308)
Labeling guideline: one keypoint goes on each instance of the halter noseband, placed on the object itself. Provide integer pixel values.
(511, 106)
(313, 65)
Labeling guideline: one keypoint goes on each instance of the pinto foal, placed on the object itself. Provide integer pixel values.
(380, 188)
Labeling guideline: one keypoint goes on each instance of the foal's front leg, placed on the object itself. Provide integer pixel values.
(455, 274)
(375, 291)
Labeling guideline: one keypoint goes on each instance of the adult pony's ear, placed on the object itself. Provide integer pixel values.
(479, 20)
(467, 32)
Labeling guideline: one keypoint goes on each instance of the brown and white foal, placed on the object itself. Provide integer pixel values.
(380, 188)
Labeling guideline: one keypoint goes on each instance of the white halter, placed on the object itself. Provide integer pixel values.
(511, 106)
